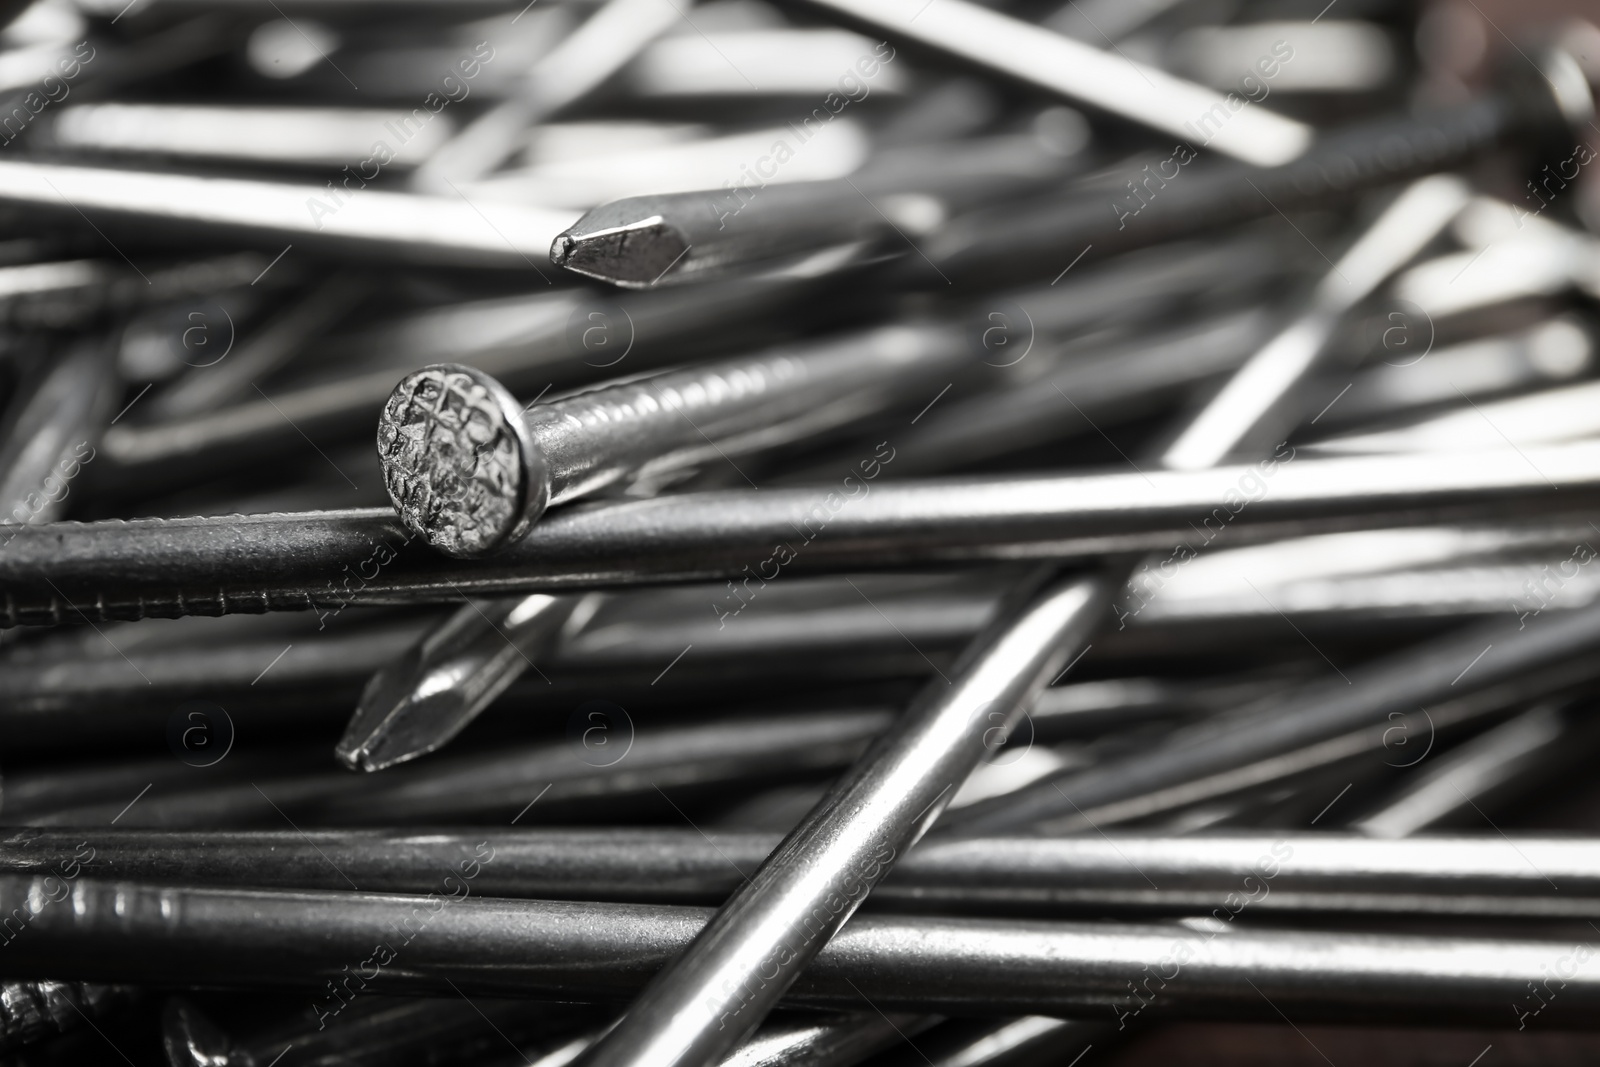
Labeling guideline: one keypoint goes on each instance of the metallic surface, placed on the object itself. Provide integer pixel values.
(1122, 872)
(678, 163)
(34, 1011)
(278, 135)
(710, 997)
(571, 70)
(1096, 385)
(396, 697)
(425, 229)
(421, 699)
(471, 471)
(52, 431)
(458, 461)
(62, 684)
(555, 339)
(1062, 65)
(567, 779)
(1530, 746)
(1565, 413)
(1031, 1041)
(831, 1041)
(1370, 576)
(1248, 414)
(638, 241)
(763, 640)
(163, 567)
(1471, 672)
(266, 350)
(369, 1032)
(1255, 406)
(950, 966)
(1040, 236)
(1552, 351)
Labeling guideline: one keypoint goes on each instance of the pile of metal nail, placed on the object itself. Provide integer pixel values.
(965, 532)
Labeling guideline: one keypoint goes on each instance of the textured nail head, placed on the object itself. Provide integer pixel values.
(458, 461)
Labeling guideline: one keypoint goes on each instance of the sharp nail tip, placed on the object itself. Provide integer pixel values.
(561, 248)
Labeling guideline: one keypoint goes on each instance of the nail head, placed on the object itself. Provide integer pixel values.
(458, 461)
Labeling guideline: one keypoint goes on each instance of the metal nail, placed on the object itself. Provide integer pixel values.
(57, 573)
(1145, 204)
(470, 470)
(1477, 672)
(1123, 873)
(568, 949)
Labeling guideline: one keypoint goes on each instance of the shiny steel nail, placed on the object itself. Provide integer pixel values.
(1085, 874)
(554, 339)
(1517, 756)
(1247, 413)
(1096, 385)
(565, 177)
(1553, 351)
(668, 237)
(699, 1006)
(53, 431)
(1030, 1039)
(574, 68)
(1457, 677)
(325, 561)
(414, 713)
(672, 1019)
(1059, 64)
(501, 783)
(1566, 413)
(423, 698)
(285, 136)
(426, 229)
(683, 1016)
(1165, 200)
(277, 342)
(35, 1011)
(372, 1030)
(563, 951)
(470, 470)
(786, 61)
